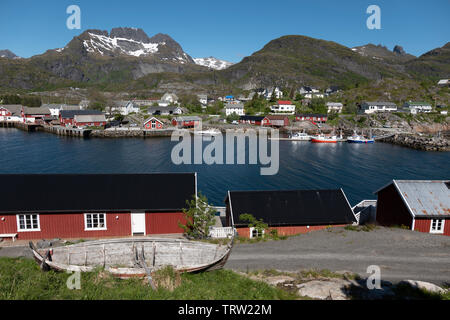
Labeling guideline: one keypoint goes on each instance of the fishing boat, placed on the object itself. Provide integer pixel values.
(324, 139)
(209, 132)
(355, 138)
(134, 257)
(299, 136)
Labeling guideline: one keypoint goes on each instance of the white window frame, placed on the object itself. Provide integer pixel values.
(94, 228)
(26, 229)
(253, 229)
(438, 231)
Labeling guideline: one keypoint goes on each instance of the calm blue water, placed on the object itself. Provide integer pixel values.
(358, 169)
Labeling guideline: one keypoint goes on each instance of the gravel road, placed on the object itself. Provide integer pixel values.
(400, 254)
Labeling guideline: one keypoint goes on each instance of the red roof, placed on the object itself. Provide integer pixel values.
(284, 102)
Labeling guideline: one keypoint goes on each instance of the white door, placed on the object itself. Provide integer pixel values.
(137, 223)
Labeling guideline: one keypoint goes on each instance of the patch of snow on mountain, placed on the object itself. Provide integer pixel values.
(100, 43)
(213, 63)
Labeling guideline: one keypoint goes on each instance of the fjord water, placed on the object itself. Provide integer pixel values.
(359, 169)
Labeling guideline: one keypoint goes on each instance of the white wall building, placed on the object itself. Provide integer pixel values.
(237, 108)
(334, 107)
(283, 107)
(377, 106)
(417, 107)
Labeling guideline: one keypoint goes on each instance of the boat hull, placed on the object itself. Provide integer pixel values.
(323, 141)
(119, 256)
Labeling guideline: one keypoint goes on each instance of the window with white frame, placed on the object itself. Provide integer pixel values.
(95, 221)
(437, 226)
(255, 234)
(28, 222)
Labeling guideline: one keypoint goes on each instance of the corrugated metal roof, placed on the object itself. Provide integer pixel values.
(425, 198)
(89, 118)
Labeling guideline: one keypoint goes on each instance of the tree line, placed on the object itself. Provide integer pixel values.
(29, 101)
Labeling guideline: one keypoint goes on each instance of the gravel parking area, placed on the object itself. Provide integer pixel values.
(400, 254)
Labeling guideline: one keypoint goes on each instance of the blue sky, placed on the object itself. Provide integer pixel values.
(229, 29)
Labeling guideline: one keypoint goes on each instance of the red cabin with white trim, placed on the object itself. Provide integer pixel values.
(93, 205)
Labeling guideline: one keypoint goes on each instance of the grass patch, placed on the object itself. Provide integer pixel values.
(21, 278)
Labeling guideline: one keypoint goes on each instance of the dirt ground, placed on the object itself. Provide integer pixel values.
(400, 254)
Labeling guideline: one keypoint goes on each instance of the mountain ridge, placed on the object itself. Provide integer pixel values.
(124, 55)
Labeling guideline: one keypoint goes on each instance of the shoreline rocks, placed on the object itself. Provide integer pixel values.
(419, 142)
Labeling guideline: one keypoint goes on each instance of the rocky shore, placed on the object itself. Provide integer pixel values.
(130, 133)
(419, 142)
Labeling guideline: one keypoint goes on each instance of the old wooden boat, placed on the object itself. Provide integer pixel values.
(134, 257)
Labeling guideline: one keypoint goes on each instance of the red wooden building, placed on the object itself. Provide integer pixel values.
(186, 122)
(10, 112)
(275, 121)
(67, 117)
(33, 115)
(46, 206)
(289, 212)
(89, 120)
(421, 205)
(313, 117)
(153, 124)
(255, 120)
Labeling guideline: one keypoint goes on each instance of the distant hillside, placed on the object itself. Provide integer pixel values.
(434, 64)
(304, 60)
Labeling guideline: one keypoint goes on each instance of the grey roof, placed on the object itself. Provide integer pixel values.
(71, 113)
(40, 110)
(89, 118)
(15, 109)
(424, 198)
(380, 103)
(188, 118)
(334, 104)
(234, 106)
(167, 109)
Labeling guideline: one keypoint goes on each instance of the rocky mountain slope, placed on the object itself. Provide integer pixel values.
(7, 54)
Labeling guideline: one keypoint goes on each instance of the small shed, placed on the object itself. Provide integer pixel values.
(421, 205)
(275, 121)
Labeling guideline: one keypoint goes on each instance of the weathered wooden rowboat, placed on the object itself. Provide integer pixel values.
(134, 257)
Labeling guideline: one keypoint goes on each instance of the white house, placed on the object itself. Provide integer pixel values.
(417, 107)
(203, 99)
(169, 98)
(55, 109)
(334, 107)
(444, 82)
(269, 91)
(237, 108)
(125, 107)
(283, 107)
(377, 106)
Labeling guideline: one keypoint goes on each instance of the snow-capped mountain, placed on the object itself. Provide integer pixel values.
(213, 63)
(131, 42)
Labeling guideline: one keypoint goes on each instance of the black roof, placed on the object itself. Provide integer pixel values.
(71, 113)
(36, 193)
(292, 207)
(251, 118)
